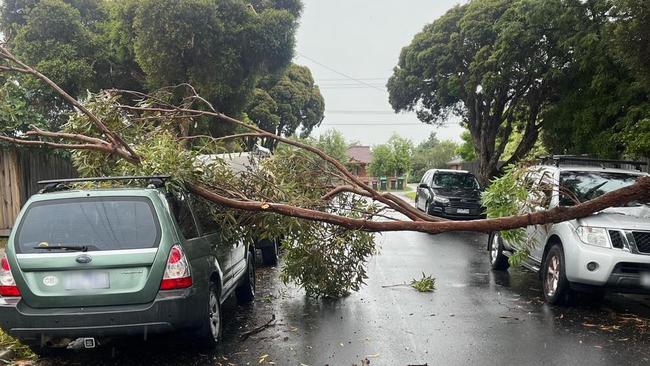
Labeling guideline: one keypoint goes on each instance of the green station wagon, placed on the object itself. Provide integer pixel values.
(82, 266)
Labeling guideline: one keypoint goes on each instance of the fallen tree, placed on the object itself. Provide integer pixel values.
(326, 215)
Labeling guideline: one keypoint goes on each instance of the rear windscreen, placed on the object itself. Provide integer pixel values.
(97, 223)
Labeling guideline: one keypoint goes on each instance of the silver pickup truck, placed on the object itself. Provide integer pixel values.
(609, 250)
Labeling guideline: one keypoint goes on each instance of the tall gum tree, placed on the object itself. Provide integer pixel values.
(494, 63)
(282, 104)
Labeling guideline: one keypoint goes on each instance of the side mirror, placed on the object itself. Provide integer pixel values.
(423, 185)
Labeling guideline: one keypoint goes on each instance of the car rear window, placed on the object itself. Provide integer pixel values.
(113, 223)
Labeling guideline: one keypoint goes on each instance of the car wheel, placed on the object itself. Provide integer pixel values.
(210, 332)
(556, 287)
(270, 253)
(498, 260)
(246, 291)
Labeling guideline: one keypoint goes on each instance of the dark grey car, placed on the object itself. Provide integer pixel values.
(452, 194)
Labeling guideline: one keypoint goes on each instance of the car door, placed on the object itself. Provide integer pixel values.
(540, 199)
(238, 256)
(212, 244)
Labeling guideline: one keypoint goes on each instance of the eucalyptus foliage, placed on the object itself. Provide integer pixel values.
(325, 260)
(514, 194)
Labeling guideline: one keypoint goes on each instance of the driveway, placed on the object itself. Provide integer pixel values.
(475, 316)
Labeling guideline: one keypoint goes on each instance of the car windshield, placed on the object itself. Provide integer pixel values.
(455, 181)
(583, 186)
(95, 223)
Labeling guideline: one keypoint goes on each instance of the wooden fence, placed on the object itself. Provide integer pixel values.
(20, 170)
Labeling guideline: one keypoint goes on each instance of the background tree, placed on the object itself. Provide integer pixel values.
(63, 41)
(393, 158)
(495, 63)
(17, 115)
(402, 149)
(287, 103)
(602, 108)
(466, 148)
(333, 143)
(632, 34)
(430, 154)
(222, 47)
(382, 163)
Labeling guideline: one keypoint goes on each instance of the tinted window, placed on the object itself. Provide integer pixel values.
(98, 223)
(203, 210)
(183, 216)
(455, 181)
(583, 186)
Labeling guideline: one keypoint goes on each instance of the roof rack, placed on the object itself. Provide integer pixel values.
(559, 159)
(61, 184)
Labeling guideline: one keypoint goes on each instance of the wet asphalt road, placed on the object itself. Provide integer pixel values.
(475, 316)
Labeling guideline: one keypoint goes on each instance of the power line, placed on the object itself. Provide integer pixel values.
(364, 79)
(340, 73)
(380, 123)
(358, 112)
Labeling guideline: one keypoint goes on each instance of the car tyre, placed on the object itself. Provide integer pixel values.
(246, 291)
(555, 285)
(209, 334)
(270, 253)
(498, 260)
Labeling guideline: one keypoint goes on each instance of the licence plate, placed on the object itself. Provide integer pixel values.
(645, 279)
(463, 211)
(86, 280)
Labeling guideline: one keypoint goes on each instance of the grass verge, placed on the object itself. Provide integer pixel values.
(3, 243)
(410, 195)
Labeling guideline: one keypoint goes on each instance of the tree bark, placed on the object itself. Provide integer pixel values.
(639, 191)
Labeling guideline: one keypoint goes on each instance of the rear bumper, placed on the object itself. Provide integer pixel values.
(170, 311)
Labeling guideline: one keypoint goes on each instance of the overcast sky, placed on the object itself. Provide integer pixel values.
(351, 47)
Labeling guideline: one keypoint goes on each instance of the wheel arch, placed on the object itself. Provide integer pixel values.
(552, 240)
(215, 278)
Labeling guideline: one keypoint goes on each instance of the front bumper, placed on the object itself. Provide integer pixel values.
(618, 269)
(170, 311)
(452, 213)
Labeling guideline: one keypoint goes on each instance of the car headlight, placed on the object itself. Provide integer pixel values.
(442, 200)
(593, 236)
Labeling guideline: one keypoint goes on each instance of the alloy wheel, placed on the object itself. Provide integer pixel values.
(251, 277)
(214, 315)
(552, 275)
(494, 249)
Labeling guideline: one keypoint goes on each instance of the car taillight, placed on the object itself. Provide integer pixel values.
(7, 284)
(177, 273)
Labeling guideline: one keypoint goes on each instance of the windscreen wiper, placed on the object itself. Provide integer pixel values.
(72, 248)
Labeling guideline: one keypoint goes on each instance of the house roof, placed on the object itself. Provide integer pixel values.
(361, 154)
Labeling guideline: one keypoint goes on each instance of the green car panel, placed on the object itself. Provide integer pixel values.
(134, 274)
(104, 291)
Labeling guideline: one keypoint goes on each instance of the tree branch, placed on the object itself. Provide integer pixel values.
(116, 139)
(388, 199)
(639, 191)
(54, 145)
